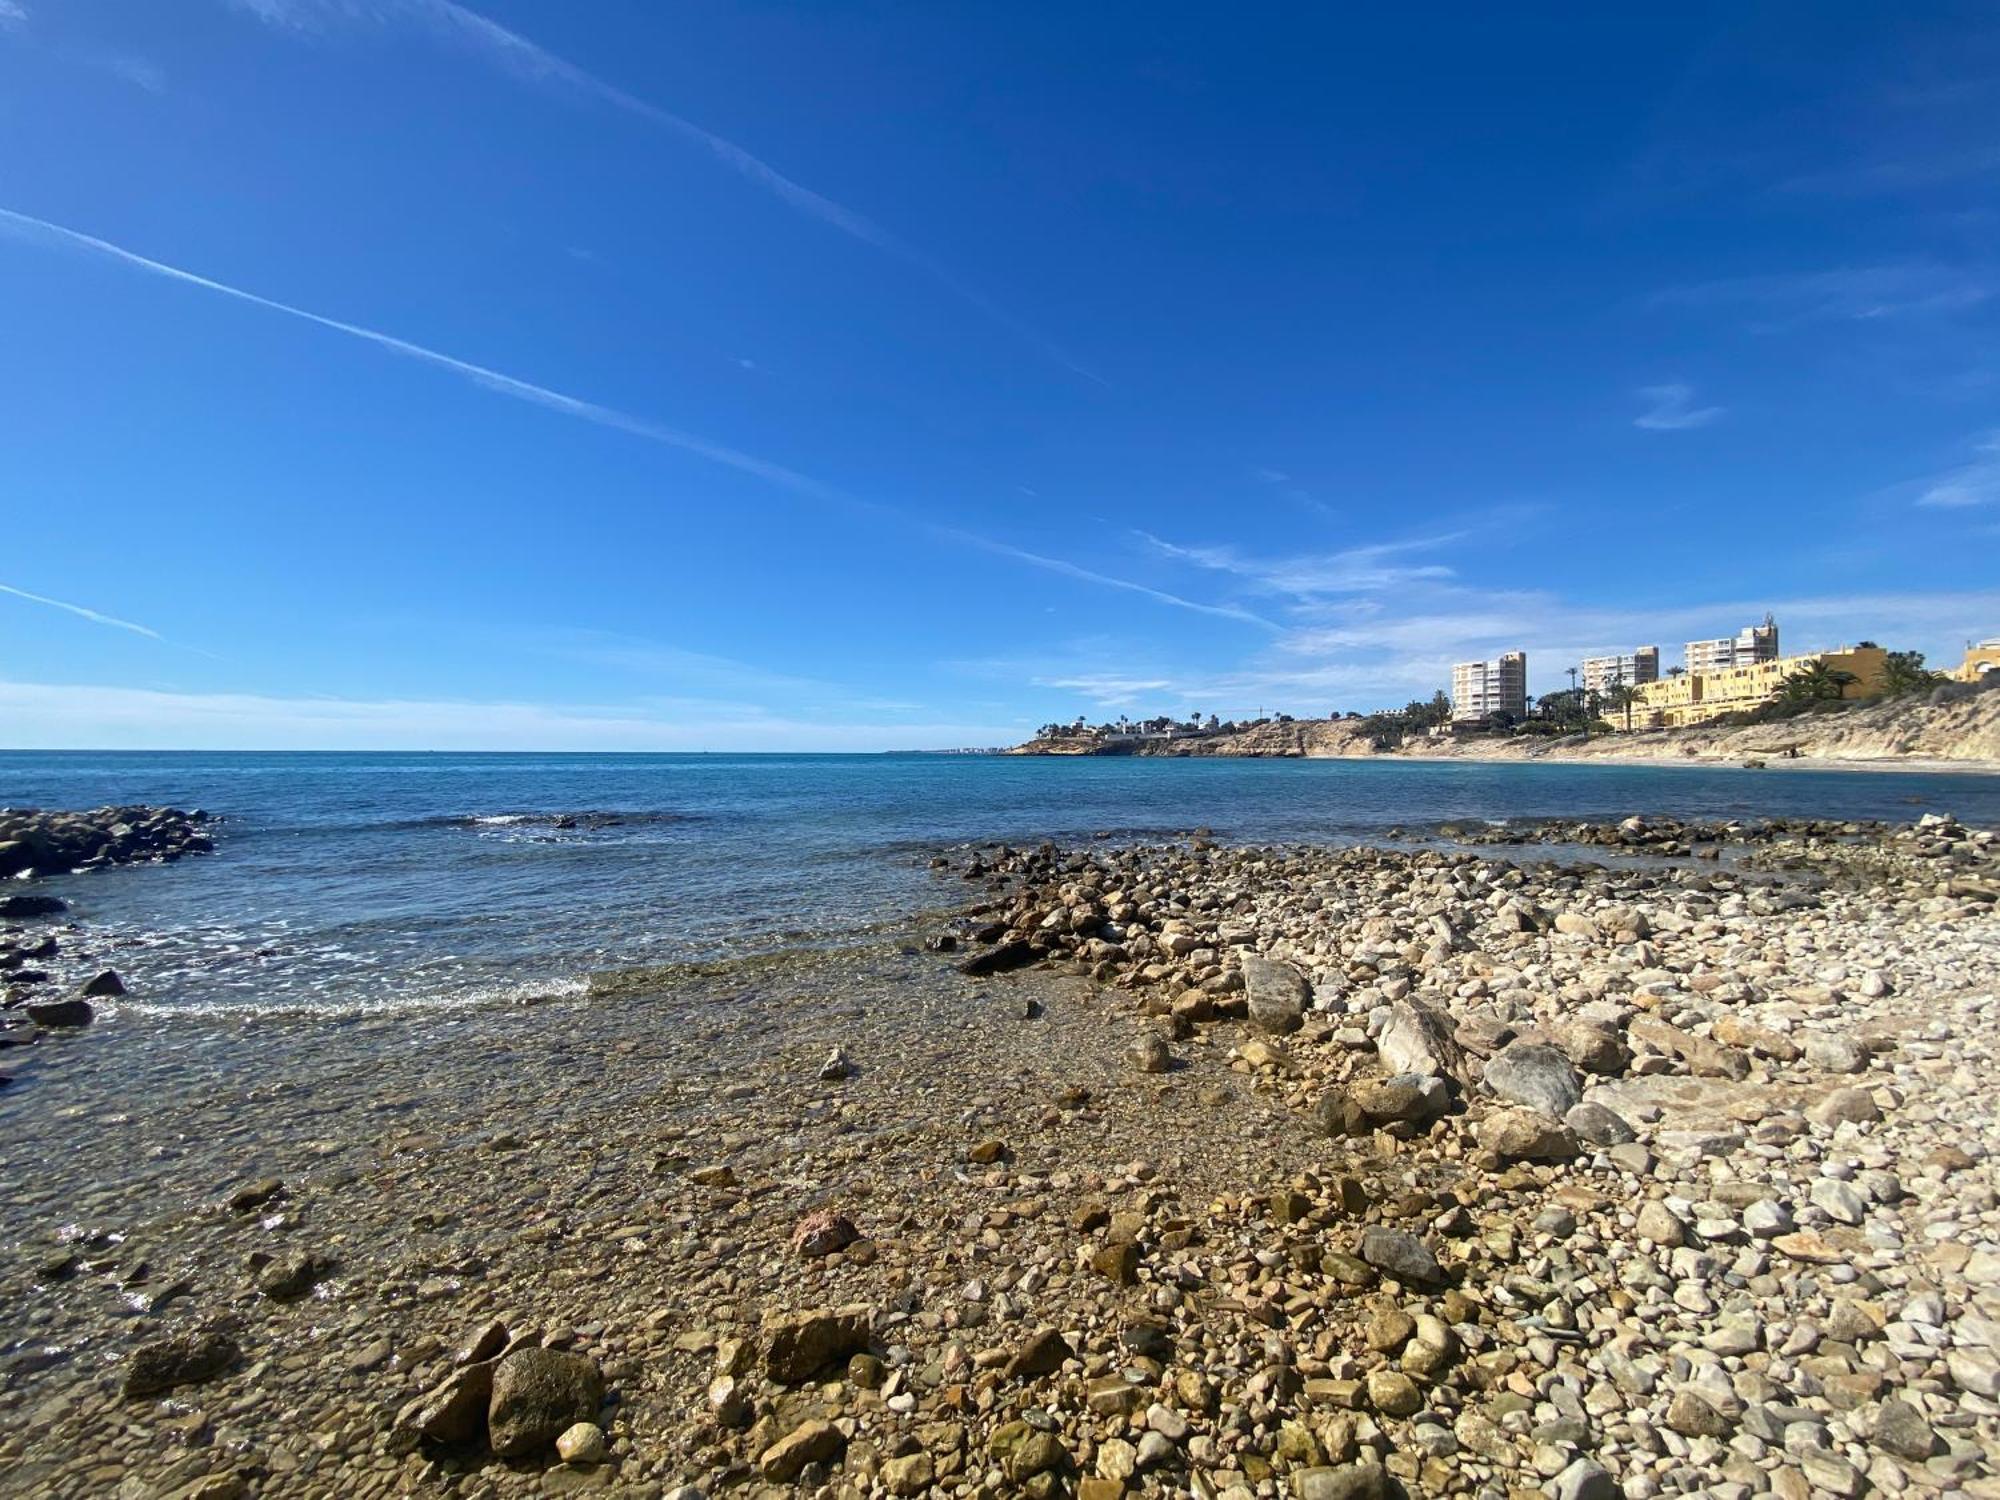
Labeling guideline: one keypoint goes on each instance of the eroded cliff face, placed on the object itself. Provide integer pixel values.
(1965, 731)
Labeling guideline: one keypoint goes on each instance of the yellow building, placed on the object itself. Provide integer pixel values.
(1979, 660)
(1697, 697)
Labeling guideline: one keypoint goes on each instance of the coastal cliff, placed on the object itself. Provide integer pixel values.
(1313, 739)
(1962, 731)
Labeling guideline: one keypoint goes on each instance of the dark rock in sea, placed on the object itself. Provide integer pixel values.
(32, 906)
(107, 984)
(51, 843)
(256, 1194)
(185, 1359)
(71, 1012)
(291, 1276)
(1015, 954)
(537, 1395)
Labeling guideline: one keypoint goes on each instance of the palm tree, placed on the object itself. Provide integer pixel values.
(1816, 682)
(1904, 672)
(1619, 698)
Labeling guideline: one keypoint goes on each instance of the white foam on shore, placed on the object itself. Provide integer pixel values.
(334, 1005)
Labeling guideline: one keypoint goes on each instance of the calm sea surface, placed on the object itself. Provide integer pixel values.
(363, 882)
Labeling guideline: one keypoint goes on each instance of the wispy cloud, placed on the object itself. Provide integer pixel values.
(94, 616)
(510, 52)
(1973, 483)
(1852, 293)
(1669, 408)
(67, 715)
(1906, 172)
(1314, 575)
(12, 13)
(1089, 575)
(134, 70)
(492, 380)
(1374, 654)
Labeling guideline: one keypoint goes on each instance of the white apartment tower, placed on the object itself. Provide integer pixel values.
(1753, 643)
(1480, 689)
(1633, 668)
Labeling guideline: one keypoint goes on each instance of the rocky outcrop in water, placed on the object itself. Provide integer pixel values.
(55, 843)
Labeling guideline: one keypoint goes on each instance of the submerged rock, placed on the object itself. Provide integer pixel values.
(184, 1359)
(801, 1346)
(537, 1395)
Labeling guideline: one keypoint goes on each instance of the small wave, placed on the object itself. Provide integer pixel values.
(333, 1006)
(583, 820)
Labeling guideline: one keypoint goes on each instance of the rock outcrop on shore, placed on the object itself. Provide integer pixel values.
(55, 843)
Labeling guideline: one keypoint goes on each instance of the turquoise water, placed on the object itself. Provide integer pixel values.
(369, 881)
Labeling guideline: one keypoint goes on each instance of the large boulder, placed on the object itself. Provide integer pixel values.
(799, 1347)
(1526, 1135)
(538, 1394)
(1407, 1096)
(1537, 1075)
(1594, 1046)
(1419, 1039)
(1278, 995)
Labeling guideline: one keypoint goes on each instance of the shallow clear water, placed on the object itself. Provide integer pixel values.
(355, 882)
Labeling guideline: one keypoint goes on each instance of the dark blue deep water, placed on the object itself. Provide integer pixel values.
(373, 881)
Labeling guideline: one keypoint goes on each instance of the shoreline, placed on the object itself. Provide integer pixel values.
(1916, 765)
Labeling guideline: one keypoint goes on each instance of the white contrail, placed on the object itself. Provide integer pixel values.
(589, 411)
(518, 55)
(77, 609)
(493, 380)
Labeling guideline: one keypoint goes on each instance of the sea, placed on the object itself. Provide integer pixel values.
(351, 884)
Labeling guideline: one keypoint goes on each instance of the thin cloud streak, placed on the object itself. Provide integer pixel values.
(1975, 483)
(1106, 580)
(525, 59)
(492, 380)
(94, 616)
(1858, 294)
(590, 411)
(1668, 409)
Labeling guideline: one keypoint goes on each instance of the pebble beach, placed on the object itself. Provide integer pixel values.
(1595, 1160)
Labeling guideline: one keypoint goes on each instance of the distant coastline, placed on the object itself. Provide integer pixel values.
(1961, 736)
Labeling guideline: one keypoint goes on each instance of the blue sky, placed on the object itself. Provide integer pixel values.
(766, 376)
